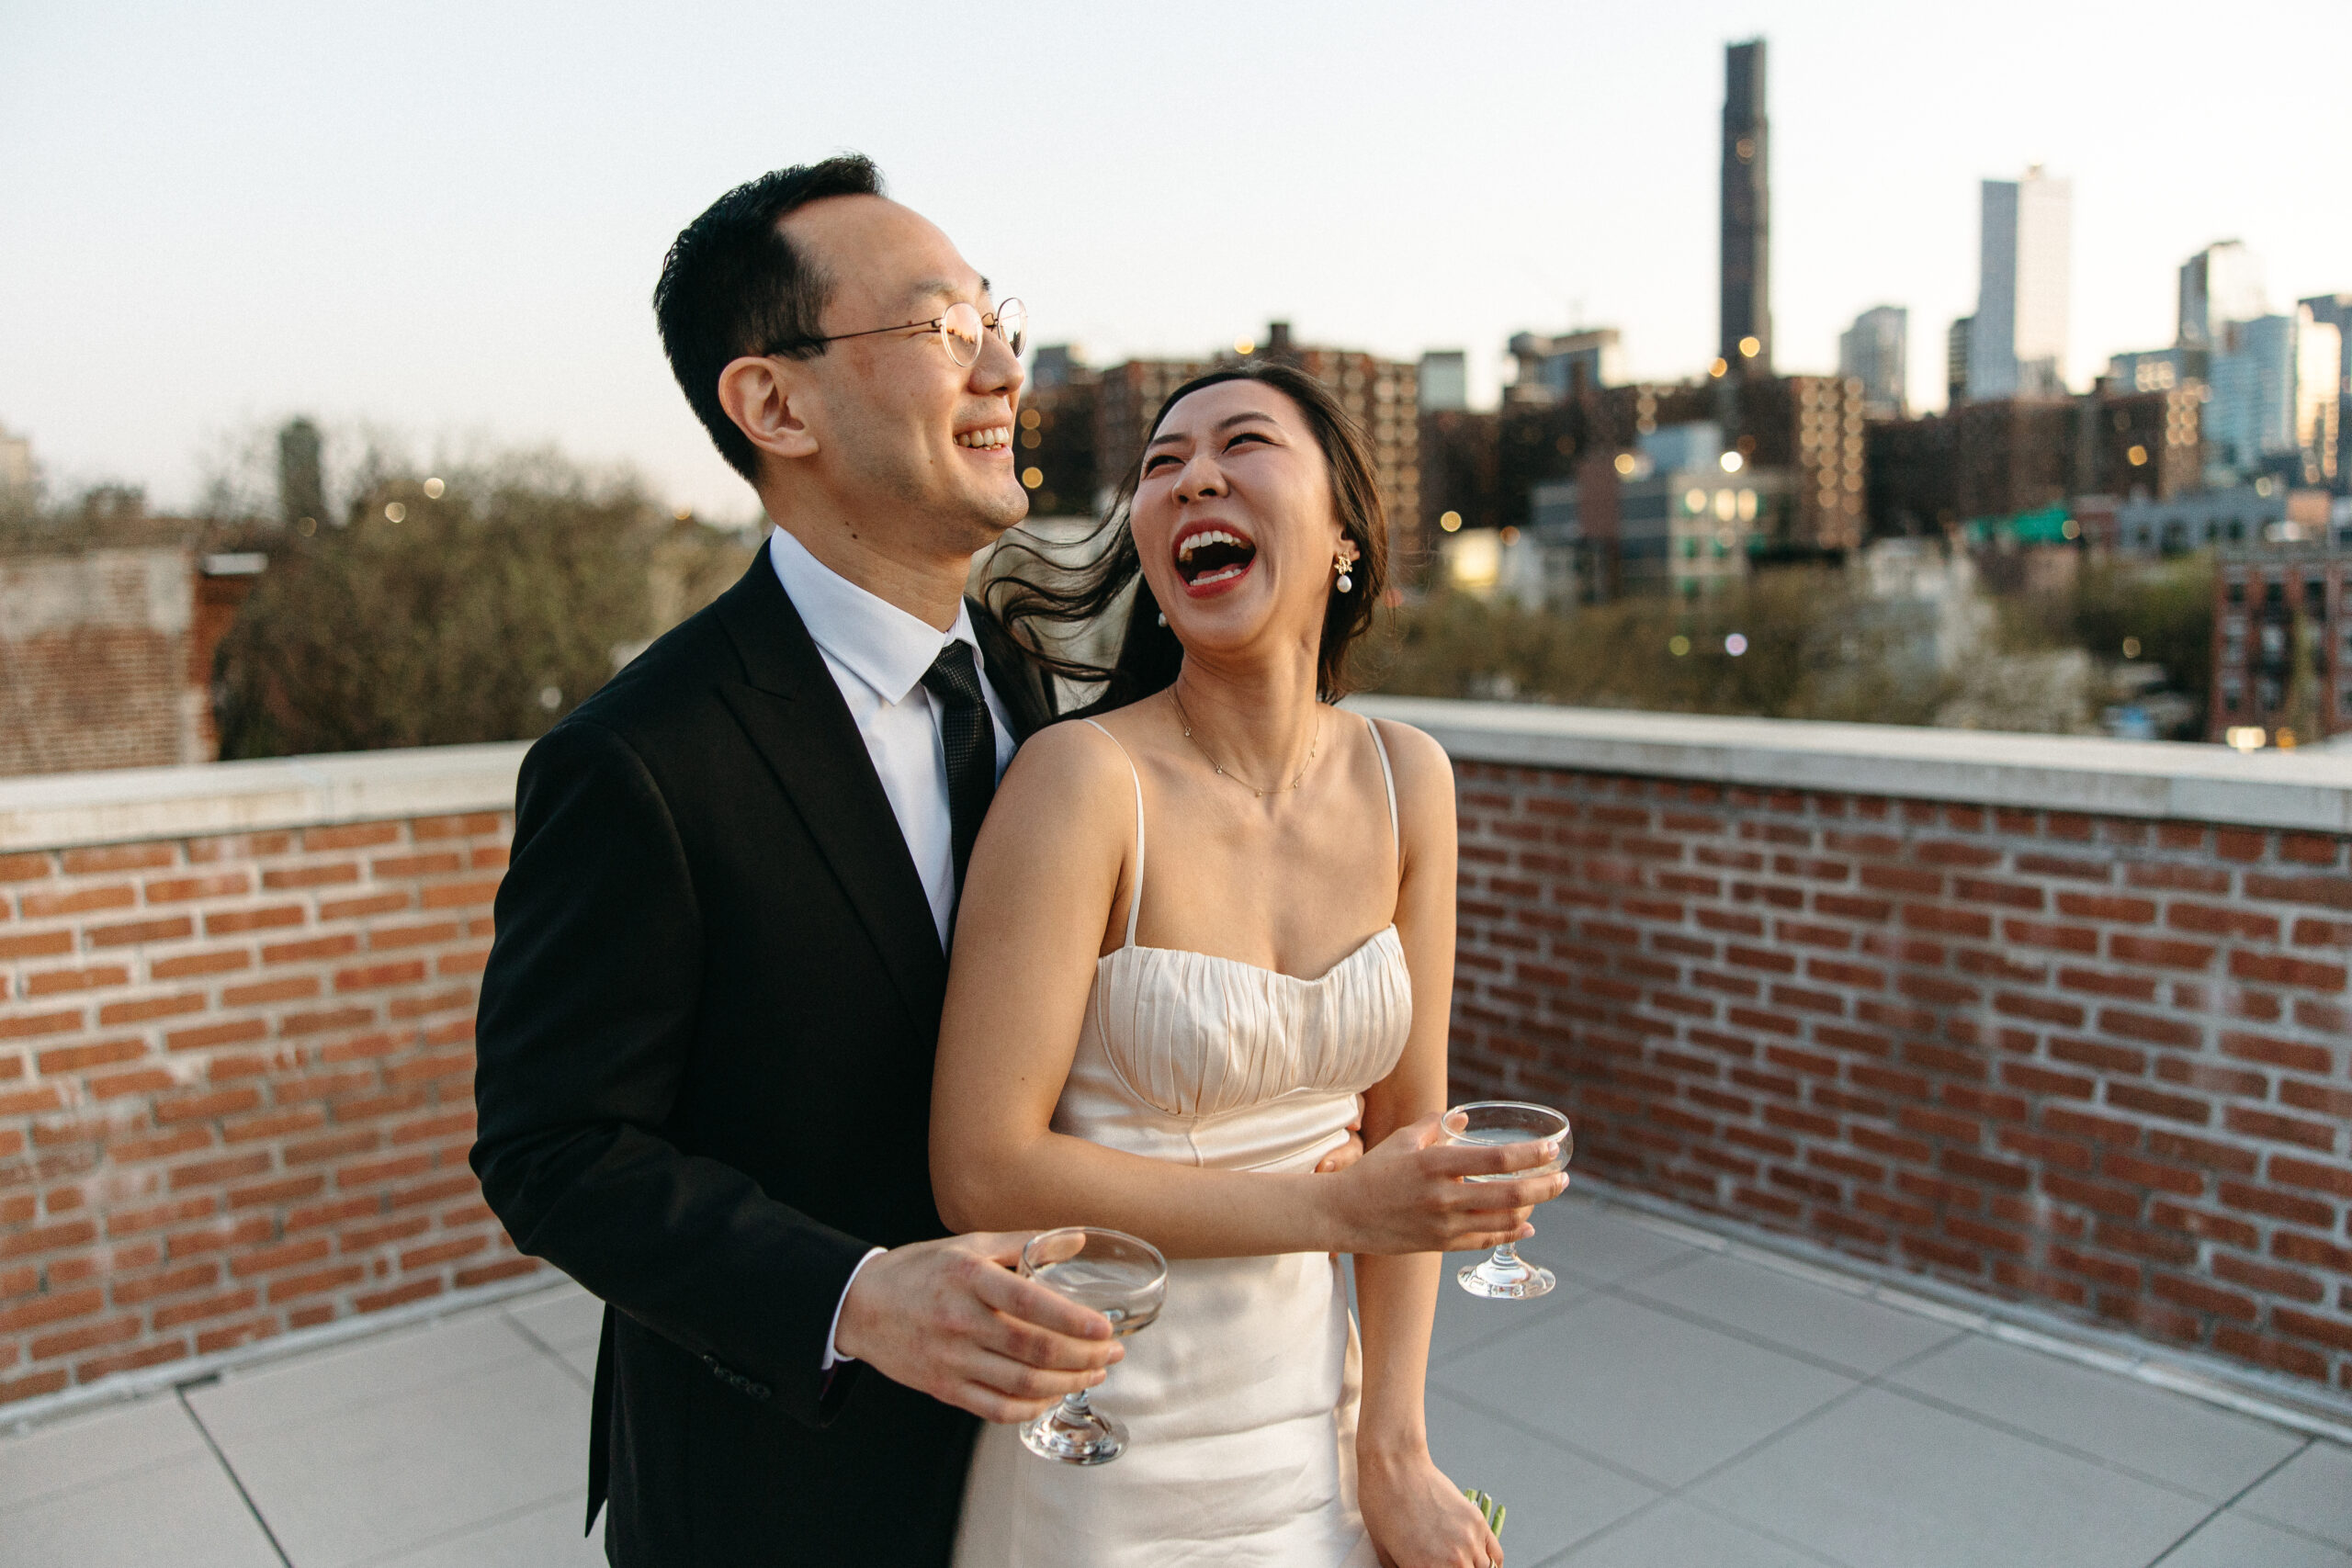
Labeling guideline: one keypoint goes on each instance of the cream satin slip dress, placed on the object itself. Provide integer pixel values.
(1240, 1400)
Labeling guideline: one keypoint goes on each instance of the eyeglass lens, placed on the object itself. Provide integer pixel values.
(960, 328)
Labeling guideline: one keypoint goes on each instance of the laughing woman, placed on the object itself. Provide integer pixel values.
(1204, 931)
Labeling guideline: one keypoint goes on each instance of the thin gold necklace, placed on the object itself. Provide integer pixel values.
(1311, 748)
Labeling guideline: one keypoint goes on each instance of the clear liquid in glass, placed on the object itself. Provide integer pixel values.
(1125, 1279)
(1503, 1274)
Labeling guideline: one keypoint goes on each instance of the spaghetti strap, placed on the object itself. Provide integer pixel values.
(1135, 895)
(1388, 776)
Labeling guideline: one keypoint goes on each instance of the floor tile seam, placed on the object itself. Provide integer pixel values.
(2237, 1504)
(21, 1417)
(2056, 1445)
(1750, 1336)
(1557, 1310)
(1562, 1556)
(196, 1453)
(2240, 1495)
(1808, 1418)
(1622, 1471)
(433, 1384)
(2288, 1405)
(458, 1532)
(531, 1338)
(260, 1519)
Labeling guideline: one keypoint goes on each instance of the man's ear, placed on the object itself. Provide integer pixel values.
(770, 403)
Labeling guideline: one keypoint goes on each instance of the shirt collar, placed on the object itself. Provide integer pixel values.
(882, 645)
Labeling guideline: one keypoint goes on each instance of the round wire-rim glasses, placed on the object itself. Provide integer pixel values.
(959, 328)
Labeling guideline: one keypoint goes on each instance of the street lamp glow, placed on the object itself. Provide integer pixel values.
(1733, 462)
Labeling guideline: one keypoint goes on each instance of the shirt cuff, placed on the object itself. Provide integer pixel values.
(833, 1356)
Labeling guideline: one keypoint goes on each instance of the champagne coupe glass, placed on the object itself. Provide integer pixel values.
(1125, 1279)
(1503, 1274)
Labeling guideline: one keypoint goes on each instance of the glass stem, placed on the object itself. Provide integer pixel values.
(1074, 1407)
(1507, 1256)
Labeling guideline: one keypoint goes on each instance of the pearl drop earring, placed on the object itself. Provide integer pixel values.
(1163, 617)
(1346, 581)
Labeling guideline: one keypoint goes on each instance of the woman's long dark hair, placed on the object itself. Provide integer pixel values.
(1037, 605)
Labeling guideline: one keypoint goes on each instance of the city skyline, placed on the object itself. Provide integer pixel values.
(448, 225)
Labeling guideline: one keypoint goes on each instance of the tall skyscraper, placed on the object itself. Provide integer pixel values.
(301, 487)
(1445, 379)
(2018, 345)
(1875, 351)
(1956, 338)
(2335, 309)
(2251, 420)
(2319, 379)
(2220, 284)
(1747, 213)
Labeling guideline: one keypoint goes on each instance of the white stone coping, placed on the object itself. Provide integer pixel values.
(126, 804)
(2306, 790)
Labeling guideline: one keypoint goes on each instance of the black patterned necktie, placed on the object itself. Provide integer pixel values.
(968, 734)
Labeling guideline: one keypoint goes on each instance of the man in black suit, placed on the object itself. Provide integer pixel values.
(707, 1027)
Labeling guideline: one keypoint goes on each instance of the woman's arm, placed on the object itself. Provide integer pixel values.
(1415, 1515)
(1043, 879)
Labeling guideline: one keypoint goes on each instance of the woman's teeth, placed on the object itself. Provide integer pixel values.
(1207, 537)
(1227, 575)
(987, 440)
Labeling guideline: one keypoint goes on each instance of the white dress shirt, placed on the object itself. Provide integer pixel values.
(878, 654)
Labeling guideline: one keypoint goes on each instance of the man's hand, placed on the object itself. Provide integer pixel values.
(1347, 1154)
(952, 1319)
(1409, 1195)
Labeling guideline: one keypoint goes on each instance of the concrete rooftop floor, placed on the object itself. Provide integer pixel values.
(1670, 1405)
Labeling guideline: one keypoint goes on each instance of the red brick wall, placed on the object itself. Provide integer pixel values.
(236, 1088)
(2099, 1063)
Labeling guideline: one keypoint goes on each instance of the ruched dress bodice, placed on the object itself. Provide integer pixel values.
(1240, 1399)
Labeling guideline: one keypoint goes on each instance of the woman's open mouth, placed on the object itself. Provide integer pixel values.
(1211, 558)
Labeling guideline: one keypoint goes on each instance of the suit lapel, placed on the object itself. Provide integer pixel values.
(793, 713)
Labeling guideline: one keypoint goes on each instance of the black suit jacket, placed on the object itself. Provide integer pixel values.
(705, 1044)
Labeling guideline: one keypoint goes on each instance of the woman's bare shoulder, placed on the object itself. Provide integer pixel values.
(1421, 763)
(1070, 766)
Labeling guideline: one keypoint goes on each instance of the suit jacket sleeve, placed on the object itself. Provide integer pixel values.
(586, 1026)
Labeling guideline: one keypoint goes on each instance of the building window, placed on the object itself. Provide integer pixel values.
(2232, 697)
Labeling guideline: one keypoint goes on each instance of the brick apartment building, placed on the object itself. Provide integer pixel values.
(2282, 643)
(106, 656)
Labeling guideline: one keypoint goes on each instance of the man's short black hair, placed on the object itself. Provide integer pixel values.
(733, 284)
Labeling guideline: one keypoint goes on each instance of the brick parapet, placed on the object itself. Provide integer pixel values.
(2073, 1030)
(2097, 1062)
(235, 1085)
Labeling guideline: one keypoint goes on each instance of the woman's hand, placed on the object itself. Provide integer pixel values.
(1418, 1519)
(1406, 1195)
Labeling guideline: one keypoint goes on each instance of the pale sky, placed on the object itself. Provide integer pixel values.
(444, 220)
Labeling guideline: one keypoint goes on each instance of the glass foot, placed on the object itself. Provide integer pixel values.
(1506, 1280)
(1075, 1436)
